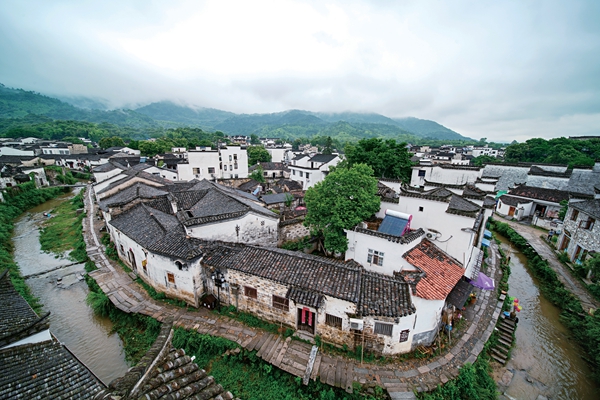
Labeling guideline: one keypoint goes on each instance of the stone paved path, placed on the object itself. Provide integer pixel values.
(532, 235)
(400, 379)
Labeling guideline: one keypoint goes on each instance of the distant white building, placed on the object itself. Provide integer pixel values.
(309, 171)
(206, 163)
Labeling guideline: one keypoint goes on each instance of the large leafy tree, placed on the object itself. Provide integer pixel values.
(388, 159)
(343, 199)
(258, 154)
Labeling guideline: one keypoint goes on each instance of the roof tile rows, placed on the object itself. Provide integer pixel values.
(375, 294)
(442, 271)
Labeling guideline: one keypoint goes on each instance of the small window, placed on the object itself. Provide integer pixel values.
(421, 208)
(196, 171)
(235, 166)
(170, 278)
(589, 224)
(375, 257)
(235, 157)
(383, 329)
(334, 321)
(301, 174)
(230, 158)
(293, 172)
(211, 170)
(281, 303)
(421, 172)
(250, 292)
(307, 175)
(122, 249)
(574, 215)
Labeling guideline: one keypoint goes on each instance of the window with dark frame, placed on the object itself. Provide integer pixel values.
(421, 172)
(383, 329)
(421, 208)
(375, 257)
(211, 170)
(170, 278)
(334, 321)
(281, 303)
(574, 215)
(250, 292)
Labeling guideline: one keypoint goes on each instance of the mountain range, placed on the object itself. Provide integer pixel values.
(346, 126)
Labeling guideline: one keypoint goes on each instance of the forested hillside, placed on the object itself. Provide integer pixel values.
(555, 151)
(25, 113)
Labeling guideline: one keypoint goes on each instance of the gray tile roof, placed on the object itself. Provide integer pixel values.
(322, 158)
(17, 319)
(461, 206)
(276, 198)
(132, 174)
(383, 295)
(537, 193)
(45, 370)
(138, 190)
(513, 201)
(305, 297)
(158, 232)
(590, 207)
(311, 276)
(109, 166)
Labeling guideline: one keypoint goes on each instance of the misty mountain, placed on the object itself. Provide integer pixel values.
(18, 103)
(346, 126)
(295, 123)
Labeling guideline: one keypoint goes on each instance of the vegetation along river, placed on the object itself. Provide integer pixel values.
(71, 320)
(544, 360)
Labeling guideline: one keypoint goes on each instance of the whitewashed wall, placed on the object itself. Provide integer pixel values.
(254, 229)
(444, 175)
(429, 314)
(360, 243)
(188, 283)
(390, 345)
(452, 239)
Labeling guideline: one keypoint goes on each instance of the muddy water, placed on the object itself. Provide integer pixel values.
(544, 361)
(71, 320)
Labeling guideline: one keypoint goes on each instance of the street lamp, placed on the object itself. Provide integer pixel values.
(220, 282)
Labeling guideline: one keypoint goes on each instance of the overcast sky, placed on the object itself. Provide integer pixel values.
(498, 69)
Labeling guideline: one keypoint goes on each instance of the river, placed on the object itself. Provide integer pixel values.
(71, 320)
(544, 360)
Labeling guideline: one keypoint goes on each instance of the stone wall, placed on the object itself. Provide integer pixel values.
(292, 230)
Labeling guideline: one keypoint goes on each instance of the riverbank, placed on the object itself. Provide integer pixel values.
(582, 326)
(58, 283)
(17, 200)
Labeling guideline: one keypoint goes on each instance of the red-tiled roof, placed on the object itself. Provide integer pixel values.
(442, 271)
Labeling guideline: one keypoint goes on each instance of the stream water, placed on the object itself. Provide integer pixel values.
(71, 320)
(544, 360)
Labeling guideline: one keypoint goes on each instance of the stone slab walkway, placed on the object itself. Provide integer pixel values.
(532, 235)
(400, 379)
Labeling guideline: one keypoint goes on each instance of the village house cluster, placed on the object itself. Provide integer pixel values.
(192, 224)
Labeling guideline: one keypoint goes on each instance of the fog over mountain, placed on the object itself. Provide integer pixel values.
(502, 70)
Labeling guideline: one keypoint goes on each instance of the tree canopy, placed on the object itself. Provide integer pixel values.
(555, 151)
(346, 197)
(388, 159)
(258, 154)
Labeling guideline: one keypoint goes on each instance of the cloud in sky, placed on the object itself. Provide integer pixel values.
(498, 69)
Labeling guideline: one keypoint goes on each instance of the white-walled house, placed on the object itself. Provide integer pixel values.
(444, 174)
(524, 202)
(205, 163)
(318, 296)
(309, 171)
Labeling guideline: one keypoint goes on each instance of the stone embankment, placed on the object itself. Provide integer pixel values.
(400, 379)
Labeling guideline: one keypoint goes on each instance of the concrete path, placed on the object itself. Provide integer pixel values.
(400, 378)
(532, 235)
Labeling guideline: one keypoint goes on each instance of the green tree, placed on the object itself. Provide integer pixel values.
(388, 159)
(254, 139)
(258, 174)
(343, 199)
(564, 206)
(258, 154)
(113, 141)
(328, 149)
(478, 161)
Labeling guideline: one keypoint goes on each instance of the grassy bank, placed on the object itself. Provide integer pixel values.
(63, 231)
(137, 331)
(585, 328)
(249, 377)
(18, 200)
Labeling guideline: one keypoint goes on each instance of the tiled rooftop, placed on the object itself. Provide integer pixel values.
(442, 271)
